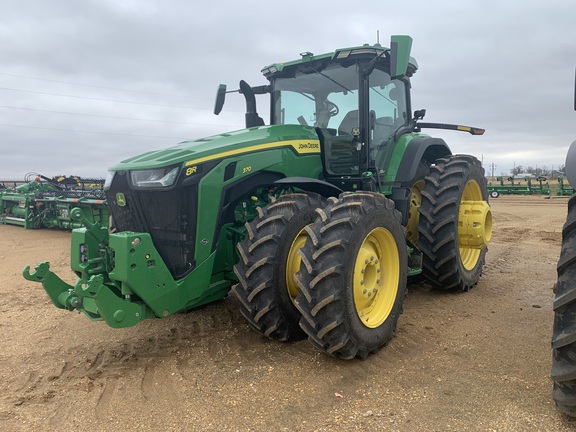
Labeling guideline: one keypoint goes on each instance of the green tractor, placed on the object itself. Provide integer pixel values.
(315, 221)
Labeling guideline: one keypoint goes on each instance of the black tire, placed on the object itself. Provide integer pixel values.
(418, 184)
(494, 194)
(447, 262)
(357, 239)
(564, 330)
(263, 289)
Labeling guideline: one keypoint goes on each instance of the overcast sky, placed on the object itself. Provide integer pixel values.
(86, 84)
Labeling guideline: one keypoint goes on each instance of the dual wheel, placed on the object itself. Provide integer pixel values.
(335, 270)
(455, 223)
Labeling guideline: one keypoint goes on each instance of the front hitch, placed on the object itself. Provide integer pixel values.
(96, 300)
(58, 290)
(93, 293)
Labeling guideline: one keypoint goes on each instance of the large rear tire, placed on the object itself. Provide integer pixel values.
(415, 201)
(455, 223)
(353, 275)
(564, 331)
(268, 261)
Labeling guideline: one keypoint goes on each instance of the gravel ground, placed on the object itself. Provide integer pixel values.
(477, 361)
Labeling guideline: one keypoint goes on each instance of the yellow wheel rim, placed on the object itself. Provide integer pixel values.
(414, 213)
(293, 264)
(474, 225)
(376, 277)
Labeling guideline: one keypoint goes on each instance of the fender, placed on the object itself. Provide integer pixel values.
(312, 185)
(422, 148)
(234, 192)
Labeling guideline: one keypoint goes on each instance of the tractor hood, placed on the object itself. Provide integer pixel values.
(303, 139)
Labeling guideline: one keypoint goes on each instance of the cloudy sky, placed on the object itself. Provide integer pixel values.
(85, 84)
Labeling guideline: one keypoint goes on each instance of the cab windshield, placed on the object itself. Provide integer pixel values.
(318, 98)
(329, 99)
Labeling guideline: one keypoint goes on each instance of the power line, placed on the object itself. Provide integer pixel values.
(91, 132)
(96, 86)
(100, 99)
(111, 117)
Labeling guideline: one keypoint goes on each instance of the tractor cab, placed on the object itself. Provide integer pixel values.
(355, 112)
(357, 99)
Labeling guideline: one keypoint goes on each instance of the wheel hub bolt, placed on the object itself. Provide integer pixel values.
(364, 292)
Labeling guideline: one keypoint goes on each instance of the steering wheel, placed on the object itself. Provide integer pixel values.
(332, 108)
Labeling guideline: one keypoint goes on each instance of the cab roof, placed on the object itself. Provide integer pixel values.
(340, 54)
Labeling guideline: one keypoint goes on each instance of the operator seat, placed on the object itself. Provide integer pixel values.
(383, 129)
(349, 121)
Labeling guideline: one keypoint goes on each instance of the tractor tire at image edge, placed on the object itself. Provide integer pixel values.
(563, 372)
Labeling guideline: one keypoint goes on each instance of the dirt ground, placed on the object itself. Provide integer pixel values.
(476, 361)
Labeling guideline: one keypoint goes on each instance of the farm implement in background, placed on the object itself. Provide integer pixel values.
(41, 202)
(564, 188)
(513, 188)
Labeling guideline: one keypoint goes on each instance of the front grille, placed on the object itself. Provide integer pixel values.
(169, 216)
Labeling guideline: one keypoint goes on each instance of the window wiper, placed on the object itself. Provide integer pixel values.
(388, 99)
(334, 81)
(307, 96)
(370, 66)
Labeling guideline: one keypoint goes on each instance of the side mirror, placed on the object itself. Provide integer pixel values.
(419, 114)
(220, 97)
(400, 47)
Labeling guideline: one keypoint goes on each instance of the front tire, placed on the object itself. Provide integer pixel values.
(268, 261)
(455, 223)
(353, 275)
(564, 331)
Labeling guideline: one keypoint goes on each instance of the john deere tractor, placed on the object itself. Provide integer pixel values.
(314, 221)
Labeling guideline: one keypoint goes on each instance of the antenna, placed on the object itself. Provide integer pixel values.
(377, 37)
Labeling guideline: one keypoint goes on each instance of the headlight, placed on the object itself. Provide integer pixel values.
(109, 179)
(154, 178)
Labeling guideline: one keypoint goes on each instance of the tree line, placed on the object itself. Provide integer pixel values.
(537, 171)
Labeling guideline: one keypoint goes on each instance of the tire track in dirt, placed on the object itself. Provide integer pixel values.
(205, 336)
(102, 408)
